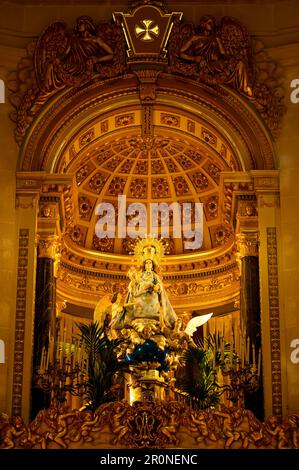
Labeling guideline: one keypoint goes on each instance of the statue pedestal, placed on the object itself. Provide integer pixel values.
(146, 385)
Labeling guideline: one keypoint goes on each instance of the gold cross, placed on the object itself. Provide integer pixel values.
(147, 31)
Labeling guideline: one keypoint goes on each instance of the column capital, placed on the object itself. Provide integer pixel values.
(48, 246)
(248, 243)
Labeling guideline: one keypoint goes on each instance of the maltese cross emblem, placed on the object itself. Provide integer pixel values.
(148, 32)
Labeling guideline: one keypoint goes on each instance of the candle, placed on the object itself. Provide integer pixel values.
(51, 349)
(43, 360)
(253, 355)
(235, 336)
(247, 350)
(259, 362)
(47, 359)
(231, 346)
(86, 365)
(57, 345)
(60, 353)
(222, 349)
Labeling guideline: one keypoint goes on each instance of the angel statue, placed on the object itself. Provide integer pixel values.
(107, 312)
(221, 55)
(62, 58)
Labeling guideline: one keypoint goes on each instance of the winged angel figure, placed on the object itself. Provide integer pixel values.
(63, 58)
(216, 55)
(107, 312)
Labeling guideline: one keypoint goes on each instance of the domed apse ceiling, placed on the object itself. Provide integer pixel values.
(166, 167)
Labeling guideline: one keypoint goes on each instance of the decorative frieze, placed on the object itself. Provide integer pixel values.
(274, 321)
(21, 294)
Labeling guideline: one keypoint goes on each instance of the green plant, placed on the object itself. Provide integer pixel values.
(103, 364)
(198, 379)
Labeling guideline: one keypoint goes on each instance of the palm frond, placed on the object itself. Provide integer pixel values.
(103, 364)
(198, 379)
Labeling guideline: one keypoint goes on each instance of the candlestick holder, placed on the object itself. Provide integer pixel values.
(243, 377)
(60, 377)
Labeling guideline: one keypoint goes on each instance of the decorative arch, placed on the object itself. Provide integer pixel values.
(71, 112)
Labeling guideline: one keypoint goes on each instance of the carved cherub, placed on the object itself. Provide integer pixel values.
(11, 430)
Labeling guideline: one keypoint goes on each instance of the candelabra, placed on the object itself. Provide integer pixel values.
(66, 373)
(243, 377)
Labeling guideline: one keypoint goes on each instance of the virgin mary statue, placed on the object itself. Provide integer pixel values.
(146, 297)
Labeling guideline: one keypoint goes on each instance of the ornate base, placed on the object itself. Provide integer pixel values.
(147, 384)
(149, 424)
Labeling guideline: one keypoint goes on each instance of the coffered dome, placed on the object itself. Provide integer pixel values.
(164, 168)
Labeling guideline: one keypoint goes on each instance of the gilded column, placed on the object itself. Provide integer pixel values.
(250, 317)
(250, 287)
(45, 299)
(45, 295)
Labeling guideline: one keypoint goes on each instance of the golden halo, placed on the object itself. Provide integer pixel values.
(150, 248)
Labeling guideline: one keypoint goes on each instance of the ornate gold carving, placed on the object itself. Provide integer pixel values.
(274, 321)
(77, 235)
(86, 137)
(60, 59)
(150, 424)
(142, 167)
(104, 126)
(157, 167)
(147, 88)
(147, 31)
(225, 54)
(97, 182)
(265, 182)
(116, 186)
(17, 386)
(248, 244)
(222, 235)
(181, 186)
(170, 120)
(26, 205)
(160, 188)
(211, 206)
(124, 120)
(274, 203)
(147, 28)
(247, 208)
(83, 172)
(138, 188)
(191, 126)
(207, 136)
(85, 207)
(103, 244)
(46, 211)
(199, 179)
(213, 170)
(212, 284)
(48, 246)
